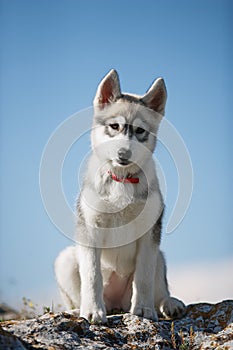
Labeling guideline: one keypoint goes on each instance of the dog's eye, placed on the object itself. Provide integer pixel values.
(115, 126)
(139, 130)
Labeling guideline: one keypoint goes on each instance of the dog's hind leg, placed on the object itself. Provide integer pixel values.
(68, 279)
(165, 304)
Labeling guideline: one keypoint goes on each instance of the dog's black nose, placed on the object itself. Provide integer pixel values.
(124, 154)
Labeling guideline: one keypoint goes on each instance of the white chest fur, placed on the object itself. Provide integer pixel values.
(108, 226)
(120, 259)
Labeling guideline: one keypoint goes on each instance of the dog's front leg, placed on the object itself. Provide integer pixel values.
(142, 302)
(92, 304)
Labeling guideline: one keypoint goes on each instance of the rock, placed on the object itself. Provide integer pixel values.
(205, 326)
(8, 341)
(7, 313)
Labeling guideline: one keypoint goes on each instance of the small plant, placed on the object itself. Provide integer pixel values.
(173, 336)
(29, 309)
(184, 343)
(191, 337)
(187, 344)
(46, 309)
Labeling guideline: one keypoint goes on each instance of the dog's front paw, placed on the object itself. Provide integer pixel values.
(172, 308)
(143, 311)
(94, 314)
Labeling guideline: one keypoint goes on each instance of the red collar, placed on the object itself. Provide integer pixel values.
(129, 179)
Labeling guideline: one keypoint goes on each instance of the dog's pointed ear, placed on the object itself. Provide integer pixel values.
(155, 98)
(108, 89)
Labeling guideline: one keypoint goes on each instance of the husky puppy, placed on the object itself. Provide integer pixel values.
(117, 263)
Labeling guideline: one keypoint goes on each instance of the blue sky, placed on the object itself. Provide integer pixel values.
(53, 54)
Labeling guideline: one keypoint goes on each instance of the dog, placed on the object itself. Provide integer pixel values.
(117, 263)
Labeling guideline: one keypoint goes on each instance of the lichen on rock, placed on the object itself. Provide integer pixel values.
(205, 326)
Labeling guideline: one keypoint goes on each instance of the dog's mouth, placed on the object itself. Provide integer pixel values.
(123, 162)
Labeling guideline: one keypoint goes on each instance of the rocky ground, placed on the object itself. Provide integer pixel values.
(206, 326)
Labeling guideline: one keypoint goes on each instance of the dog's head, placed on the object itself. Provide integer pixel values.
(125, 125)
